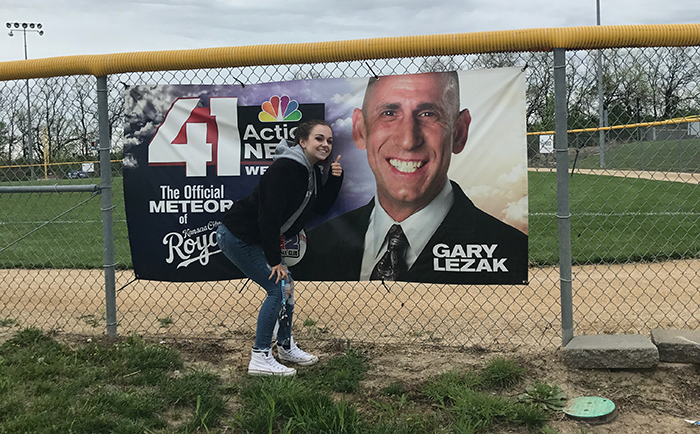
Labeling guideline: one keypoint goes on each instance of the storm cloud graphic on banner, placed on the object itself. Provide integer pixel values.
(206, 152)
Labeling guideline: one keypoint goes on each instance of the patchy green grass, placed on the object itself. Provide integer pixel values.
(501, 373)
(341, 374)
(397, 388)
(165, 322)
(308, 322)
(476, 401)
(132, 386)
(124, 387)
(544, 395)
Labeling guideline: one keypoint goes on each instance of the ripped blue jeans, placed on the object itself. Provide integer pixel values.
(250, 259)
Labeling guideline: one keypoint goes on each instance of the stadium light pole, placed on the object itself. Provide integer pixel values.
(601, 106)
(24, 28)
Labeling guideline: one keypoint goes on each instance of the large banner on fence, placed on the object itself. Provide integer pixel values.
(442, 153)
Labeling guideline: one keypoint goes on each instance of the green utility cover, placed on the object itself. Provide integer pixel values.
(590, 408)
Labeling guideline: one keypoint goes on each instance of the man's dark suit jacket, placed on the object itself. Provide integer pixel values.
(335, 248)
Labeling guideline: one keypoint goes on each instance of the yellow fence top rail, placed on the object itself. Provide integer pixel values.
(674, 121)
(546, 39)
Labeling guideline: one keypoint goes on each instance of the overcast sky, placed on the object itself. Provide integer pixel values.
(74, 27)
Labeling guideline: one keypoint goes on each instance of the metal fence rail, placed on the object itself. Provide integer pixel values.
(628, 198)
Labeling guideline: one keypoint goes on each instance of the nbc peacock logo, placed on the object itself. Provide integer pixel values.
(279, 109)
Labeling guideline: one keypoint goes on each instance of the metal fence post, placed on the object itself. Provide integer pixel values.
(30, 143)
(563, 213)
(107, 207)
(601, 110)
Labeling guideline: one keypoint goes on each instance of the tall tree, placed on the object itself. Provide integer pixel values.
(674, 74)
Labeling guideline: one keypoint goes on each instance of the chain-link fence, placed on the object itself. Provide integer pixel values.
(634, 203)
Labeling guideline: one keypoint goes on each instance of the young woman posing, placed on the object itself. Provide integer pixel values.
(287, 194)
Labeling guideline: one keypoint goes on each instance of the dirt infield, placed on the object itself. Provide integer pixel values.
(686, 178)
(632, 298)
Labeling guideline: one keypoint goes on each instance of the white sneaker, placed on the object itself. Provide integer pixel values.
(296, 355)
(263, 363)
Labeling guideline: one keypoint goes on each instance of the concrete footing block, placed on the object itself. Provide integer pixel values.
(677, 346)
(611, 352)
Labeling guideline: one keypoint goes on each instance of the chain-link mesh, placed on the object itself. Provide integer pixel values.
(49, 242)
(633, 191)
(635, 202)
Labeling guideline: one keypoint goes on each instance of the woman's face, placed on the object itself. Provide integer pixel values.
(319, 144)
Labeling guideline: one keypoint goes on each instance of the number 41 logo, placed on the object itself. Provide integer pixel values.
(197, 136)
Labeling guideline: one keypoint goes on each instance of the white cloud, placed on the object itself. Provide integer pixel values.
(514, 177)
(147, 130)
(129, 162)
(479, 191)
(516, 213)
(344, 124)
(355, 96)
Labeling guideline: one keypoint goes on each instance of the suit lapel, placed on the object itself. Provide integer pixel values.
(458, 224)
(355, 240)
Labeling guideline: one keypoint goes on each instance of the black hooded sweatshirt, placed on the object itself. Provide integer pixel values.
(277, 204)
